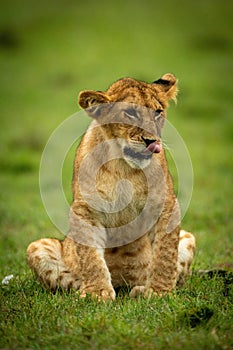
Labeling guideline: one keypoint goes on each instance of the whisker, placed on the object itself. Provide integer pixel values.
(166, 146)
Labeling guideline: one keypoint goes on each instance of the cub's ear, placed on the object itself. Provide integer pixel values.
(168, 85)
(91, 98)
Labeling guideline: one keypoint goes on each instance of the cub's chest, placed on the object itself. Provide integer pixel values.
(122, 186)
(125, 192)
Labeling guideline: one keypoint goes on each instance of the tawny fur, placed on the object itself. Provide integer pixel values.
(159, 258)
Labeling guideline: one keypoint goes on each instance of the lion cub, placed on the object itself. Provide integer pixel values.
(125, 218)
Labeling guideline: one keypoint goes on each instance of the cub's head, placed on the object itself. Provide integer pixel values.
(132, 112)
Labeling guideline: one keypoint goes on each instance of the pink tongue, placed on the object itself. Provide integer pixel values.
(154, 147)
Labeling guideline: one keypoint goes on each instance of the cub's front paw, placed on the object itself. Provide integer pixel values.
(101, 294)
(137, 291)
(146, 292)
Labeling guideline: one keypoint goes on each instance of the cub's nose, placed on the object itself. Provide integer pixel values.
(148, 141)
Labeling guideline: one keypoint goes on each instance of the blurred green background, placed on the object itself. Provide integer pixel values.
(50, 50)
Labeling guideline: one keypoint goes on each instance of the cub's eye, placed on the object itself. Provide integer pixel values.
(131, 112)
(158, 112)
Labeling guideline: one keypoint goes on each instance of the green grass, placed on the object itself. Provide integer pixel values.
(196, 317)
(49, 51)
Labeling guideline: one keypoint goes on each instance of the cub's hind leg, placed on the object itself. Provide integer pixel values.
(45, 259)
(186, 251)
